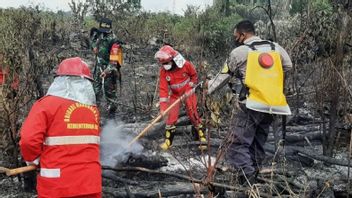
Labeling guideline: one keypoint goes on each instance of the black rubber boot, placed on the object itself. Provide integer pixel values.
(248, 179)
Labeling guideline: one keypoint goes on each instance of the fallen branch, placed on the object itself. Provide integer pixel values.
(296, 137)
(180, 176)
(304, 128)
(174, 189)
(300, 152)
(108, 174)
(323, 158)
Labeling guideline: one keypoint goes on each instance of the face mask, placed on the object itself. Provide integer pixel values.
(167, 67)
(238, 42)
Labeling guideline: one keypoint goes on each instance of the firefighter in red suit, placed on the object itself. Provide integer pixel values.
(61, 135)
(177, 77)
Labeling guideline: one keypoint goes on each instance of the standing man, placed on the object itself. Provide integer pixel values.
(259, 67)
(107, 68)
(61, 135)
(180, 76)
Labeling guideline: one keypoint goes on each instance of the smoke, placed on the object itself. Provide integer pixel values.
(114, 146)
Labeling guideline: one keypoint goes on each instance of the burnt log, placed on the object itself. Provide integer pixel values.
(176, 175)
(136, 128)
(203, 183)
(303, 128)
(299, 137)
(290, 153)
(145, 161)
(325, 159)
(292, 138)
(154, 189)
(304, 154)
(341, 188)
(109, 174)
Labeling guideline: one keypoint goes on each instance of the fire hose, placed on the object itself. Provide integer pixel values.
(146, 129)
(16, 171)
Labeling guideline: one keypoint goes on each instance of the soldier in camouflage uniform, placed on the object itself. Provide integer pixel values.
(105, 73)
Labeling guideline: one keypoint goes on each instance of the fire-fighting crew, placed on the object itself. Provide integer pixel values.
(259, 66)
(109, 59)
(61, 135)
(180, 76)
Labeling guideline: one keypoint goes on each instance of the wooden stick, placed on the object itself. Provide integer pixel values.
(184, 96)
(154, 121)
(3, 169)
(145, 129)
(16, 171)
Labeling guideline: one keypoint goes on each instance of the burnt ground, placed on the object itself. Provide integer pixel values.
(298, 172)
(144, 171)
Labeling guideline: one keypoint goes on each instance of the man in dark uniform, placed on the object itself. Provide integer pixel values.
(252, 60)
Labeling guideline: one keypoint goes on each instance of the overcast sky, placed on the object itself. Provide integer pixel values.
(175, 6)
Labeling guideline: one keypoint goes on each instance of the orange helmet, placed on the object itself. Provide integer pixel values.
(74, 67)
(165, 54)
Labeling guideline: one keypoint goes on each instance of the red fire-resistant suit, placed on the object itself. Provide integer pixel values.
(180, 81)
(64, 134)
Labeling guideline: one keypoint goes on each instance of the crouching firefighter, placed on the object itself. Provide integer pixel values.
(61, 135)
(180, 76)
(109, 58)
(258, 66)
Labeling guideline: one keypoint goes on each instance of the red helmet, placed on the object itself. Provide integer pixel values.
(74, 67)
(165, 54)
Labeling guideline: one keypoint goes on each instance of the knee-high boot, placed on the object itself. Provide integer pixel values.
(169, 137)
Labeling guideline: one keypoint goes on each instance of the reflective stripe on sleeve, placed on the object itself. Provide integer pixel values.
(35, 162)
(67, 140)
(164, 100)
(180, 85)
(50, 172)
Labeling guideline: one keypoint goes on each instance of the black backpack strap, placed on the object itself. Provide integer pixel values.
(263, 42)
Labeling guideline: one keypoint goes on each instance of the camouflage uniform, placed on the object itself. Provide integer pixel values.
(107, 87)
